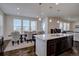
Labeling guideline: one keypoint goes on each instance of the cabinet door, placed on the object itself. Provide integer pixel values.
(70, 41)
(64, 43)
(58, 45)
(61, 45)
(50, 47)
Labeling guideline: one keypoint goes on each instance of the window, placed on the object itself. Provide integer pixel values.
(1, 25)
(61, 26)
(17, 25)
(64, 26)
(43, 26)
(26, 25)
(33, 25)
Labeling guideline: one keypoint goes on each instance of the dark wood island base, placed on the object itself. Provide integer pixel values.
(59, 45)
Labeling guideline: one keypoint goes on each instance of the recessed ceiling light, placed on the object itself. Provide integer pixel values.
(50, 20)
(18, 8)
(37, 16)
(57, 3)
(57, 21)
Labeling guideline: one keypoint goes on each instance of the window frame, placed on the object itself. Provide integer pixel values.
(17, 26)
(64, 26)
(34, 25)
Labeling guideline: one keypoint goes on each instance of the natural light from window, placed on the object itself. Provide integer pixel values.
(24, 25)
(64, 26)
(17, 25)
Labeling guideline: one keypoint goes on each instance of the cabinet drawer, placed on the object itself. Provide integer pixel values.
(51, 42)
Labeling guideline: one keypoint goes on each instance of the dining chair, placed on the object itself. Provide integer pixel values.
(15, 37)
(25, 35)
(28, 36)
(21, 38)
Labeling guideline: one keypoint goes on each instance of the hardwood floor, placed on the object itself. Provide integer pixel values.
(30, 51)
(21, 52)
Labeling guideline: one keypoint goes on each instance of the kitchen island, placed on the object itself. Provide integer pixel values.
(52, 44)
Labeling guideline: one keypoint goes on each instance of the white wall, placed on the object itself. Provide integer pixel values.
(73, 24)
(8, 26)
(2, 15)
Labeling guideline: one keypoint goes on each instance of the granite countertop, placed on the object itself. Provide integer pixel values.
(51, 36)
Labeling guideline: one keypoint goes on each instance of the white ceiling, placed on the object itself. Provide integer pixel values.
(46, 9)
